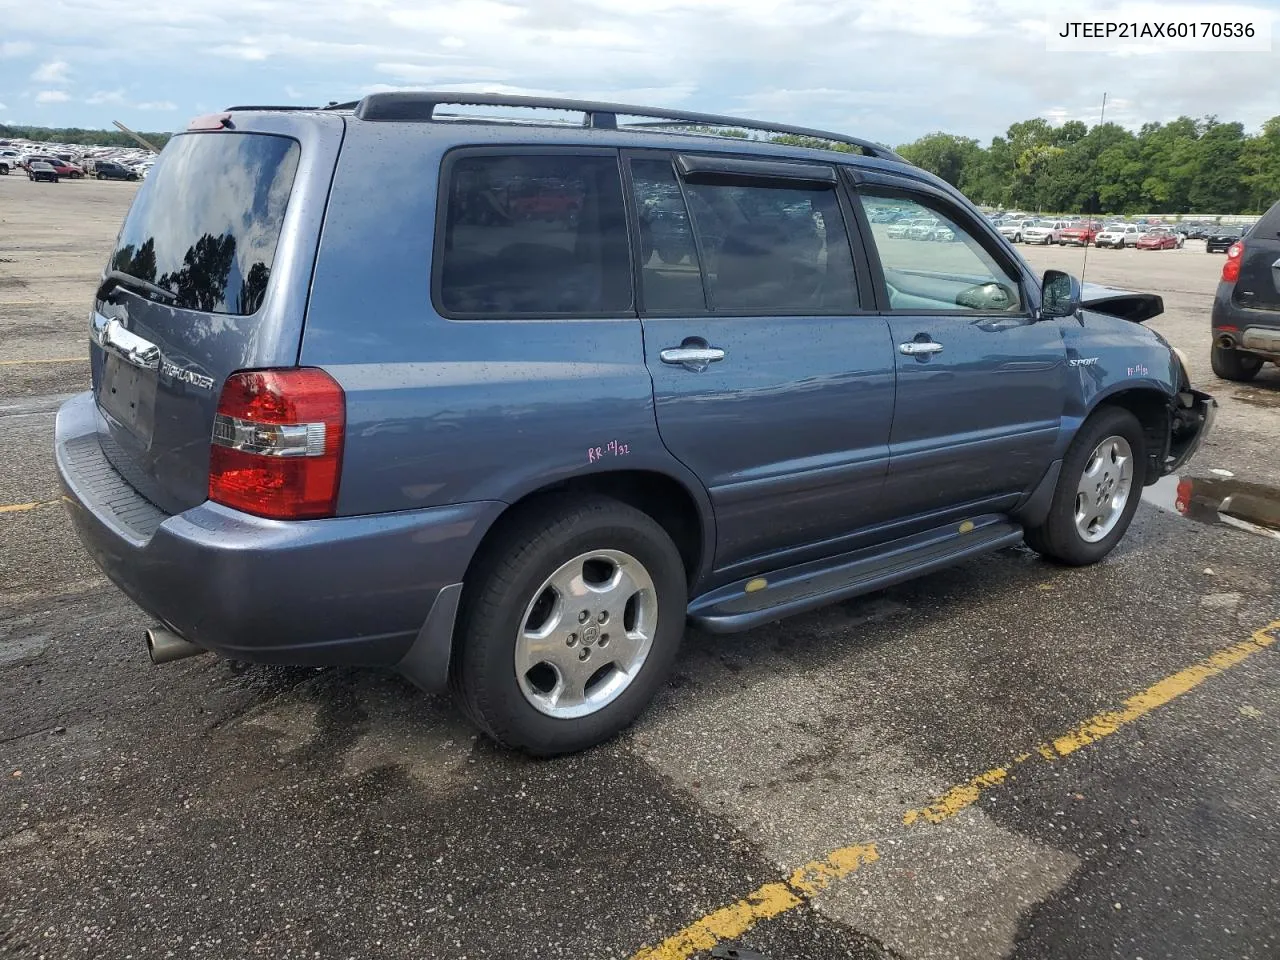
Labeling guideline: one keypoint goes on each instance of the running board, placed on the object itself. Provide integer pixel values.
(748, 603)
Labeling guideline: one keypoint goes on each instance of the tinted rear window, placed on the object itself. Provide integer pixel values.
(206, 221)
(533, 236)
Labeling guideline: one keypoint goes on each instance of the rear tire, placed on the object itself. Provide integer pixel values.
(505, 595)
(1060, 536)
(102, 176)
(1234, 365)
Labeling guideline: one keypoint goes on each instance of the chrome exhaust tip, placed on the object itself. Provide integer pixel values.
(1226, 341)
(166, 647)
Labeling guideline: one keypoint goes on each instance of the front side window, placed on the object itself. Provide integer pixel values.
(773, 249)
(537, 235)
(940, 265)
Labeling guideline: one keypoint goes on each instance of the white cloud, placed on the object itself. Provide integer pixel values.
(4, 106)
(242, 51)
(55, 71)
(52, 96)
(106, 96)
(156, 105)
(881, 69)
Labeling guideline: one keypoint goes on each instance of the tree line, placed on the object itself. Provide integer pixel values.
(79, 135)
(1185, 166)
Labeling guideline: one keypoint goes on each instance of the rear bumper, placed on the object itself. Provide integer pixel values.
(1254, 331)
(344, 591)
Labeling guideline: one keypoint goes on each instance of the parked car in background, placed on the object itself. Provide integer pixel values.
(924, 228)
(1220, 239)
(899, 229)
(42, 170)
(1079, 234)
(66, 169)
(1159, 239)
(1046, 232)
(110, 170)
(1119, 235)
(521, 479)
(1246, 307)
(1015, 230)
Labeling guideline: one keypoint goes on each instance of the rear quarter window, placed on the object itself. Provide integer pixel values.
(527, 236)
(206, 222)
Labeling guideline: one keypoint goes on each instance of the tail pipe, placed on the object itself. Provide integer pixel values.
(165, 647)
(1226, 341)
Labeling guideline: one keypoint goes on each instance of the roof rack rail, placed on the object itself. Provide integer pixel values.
(414, 105)
(331, 105)
(255, 106)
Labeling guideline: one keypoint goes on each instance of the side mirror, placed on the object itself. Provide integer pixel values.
(1060, 295)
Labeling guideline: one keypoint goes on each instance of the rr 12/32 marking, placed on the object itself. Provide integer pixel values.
(613, 449)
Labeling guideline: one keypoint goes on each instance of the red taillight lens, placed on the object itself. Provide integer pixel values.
(277, 443)
(1231, 269)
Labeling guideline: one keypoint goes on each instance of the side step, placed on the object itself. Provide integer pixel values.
(748, 603)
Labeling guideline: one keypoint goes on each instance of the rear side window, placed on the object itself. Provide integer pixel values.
(770, 249)
(670, 275)
(207, 219)
(530, 236)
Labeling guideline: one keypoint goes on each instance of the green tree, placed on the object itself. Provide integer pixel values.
(951, 158)
(1260, 166)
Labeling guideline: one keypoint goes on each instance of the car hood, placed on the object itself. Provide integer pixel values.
(1125, 304)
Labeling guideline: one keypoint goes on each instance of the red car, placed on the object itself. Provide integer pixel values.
(1081, 235)
(64, 169)
(1159, 239)
(67, 169)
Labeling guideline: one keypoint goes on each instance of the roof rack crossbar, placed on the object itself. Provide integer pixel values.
(414, 105)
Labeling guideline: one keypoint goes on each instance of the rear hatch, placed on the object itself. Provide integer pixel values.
(209, 276)
(1259, 285)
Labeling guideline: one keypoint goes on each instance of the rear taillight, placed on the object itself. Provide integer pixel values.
(1231, 269)
(277, 443)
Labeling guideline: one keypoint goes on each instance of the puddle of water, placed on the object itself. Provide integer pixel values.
(1254, 507)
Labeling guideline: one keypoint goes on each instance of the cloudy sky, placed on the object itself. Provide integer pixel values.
(890, 70)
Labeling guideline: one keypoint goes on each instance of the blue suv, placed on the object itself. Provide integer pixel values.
(501, 403)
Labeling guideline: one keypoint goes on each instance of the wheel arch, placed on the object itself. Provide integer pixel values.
(1150, 406)
(680, 507)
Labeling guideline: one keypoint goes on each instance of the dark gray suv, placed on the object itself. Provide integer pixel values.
(503, 403)
(1246, 309)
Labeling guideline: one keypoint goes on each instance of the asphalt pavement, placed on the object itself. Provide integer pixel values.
(1007, 758)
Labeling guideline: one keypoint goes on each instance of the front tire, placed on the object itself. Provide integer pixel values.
(1234, 365)
(570, 623)
(1098, 490)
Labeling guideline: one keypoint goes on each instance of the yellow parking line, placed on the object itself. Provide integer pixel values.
(1096, 727)
(18, 363)
(769, 900)
(21, 507)
(773, 899)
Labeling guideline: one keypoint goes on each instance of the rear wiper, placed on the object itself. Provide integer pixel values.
(118, 278)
